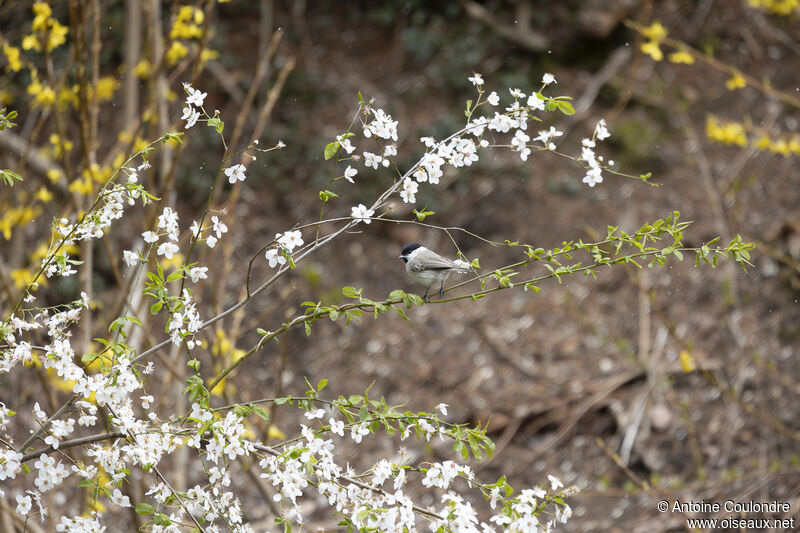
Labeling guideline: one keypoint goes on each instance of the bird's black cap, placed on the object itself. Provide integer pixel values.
(408, 249)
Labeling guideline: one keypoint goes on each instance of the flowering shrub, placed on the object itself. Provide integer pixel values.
(107, 430)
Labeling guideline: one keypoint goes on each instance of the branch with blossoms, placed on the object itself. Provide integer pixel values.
(118, 378)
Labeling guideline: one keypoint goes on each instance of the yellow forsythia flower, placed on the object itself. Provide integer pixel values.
(143, 69)
(656, 31)
(687, 361)
(727, 132)
(12, 54)
(42, 95)
(42, 12)
(273, 433)
(681, 56)
(176, 52)
(106, 87)
(67, 96)
(43, 194)
(652, 49)
(54, 175)
(21, 278)
(82, 185)
(208, 55)
(31, 42)
(57, 35)
(736, 82)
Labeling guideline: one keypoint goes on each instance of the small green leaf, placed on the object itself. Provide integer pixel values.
(331, 149)
(175, 276)
(565, 107)
(351, 292)
(172, 136)
(89, 357)
(144, 508)
(217, 124)
(321, 385)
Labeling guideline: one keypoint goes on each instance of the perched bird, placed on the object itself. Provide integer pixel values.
(430, 268)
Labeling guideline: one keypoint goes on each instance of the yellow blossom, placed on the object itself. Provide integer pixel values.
(42, 12)
(43, 194)
(222, 345)
(59, 146)
(22, 277)
(652, 49)
(31, 42)
(176, 52)
(38, 254)
(82, 185)
(687, 361)
(5, 225)
(139, 144)
(67, 96)
(118, 161)
(208, 55)
(654, 32)
(780, 147)
(763, 143)
(273, 433)
(54, 175)
(681, 56)
(42, 95)
(143, 69)
(106, 87)
(779, 7)
(57, 35)
(736, 82)
(12, 54)
(174, 263)
(727, 132)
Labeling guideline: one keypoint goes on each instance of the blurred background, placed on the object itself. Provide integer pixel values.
(672, 383)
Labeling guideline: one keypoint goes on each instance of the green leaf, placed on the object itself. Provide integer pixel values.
(242, 411)
(144, 508)
(262, 413)
(351, 292)
(175, 276)
(86, 483)
(326, 195)
(9, 177)
(155, 308)
(565, 107)
(173, 136)
(217, 124)
(331, 149)
(321, 385)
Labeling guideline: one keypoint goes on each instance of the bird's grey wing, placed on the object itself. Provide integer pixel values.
(433, 263)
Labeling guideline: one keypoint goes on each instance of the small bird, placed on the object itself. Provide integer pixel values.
(429, 268)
